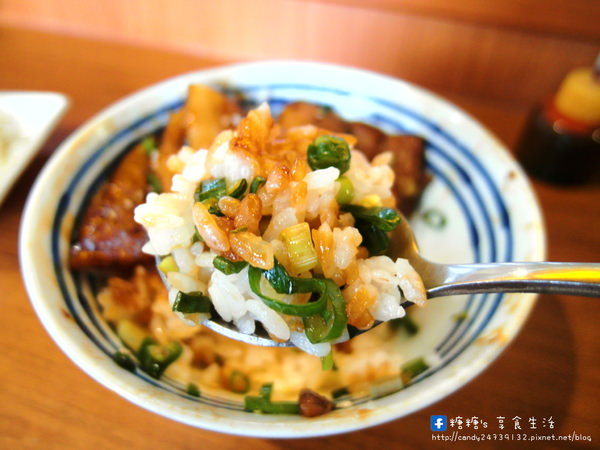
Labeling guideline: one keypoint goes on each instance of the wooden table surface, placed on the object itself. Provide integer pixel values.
(550, 370)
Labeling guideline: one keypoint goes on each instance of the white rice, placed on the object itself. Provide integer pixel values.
(345, 244)
(368, 179)
(168, 221)
(321, 186)
(224, 163)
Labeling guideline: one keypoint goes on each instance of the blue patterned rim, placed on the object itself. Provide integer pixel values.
(455, 165)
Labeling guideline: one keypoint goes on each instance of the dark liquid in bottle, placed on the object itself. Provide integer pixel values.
(551, 153)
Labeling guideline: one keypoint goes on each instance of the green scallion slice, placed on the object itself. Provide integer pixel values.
(434, 218)
(155, 358)
(459, 317)
(239, 189)
(374, 240)
(278, 273)
(329, 151)
(227, 266)
(331, 322)
(154, 182)
(214, 188)
(196, 237)
(324, 319)
(341, 392)
(192, 390)
(382, 218)
(327, 362)
(413, 368)
(346, 192)
(407, 323)
(191, 302)
(257, 182)
(124, 360)
(262, 403)
(239, 382)
(149, 145)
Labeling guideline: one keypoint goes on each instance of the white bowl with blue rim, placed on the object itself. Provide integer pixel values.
(489, 209)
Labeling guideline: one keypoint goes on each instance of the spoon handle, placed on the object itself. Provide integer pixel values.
(540, 277)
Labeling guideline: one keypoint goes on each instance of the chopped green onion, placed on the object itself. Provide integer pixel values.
(410, 325)
(259, 404)
(346, 191)
(463, 315)
(384, 219)
(374, 240)
(331, 322)
(192, 390)
(329, 151)
(434, 218)
(154, 182)
(124, 360)
(324, 319)
(306, 310)
(155, 358)
(196, 237)
(266, 390)
(280, 279)
(212, 204)
(191, 302)
(215, 210)
(257, 182)
(327, 362)
(239, 230)
(131, 334)
(341, 392)
(214, 188)
(213, 183)
(300, 248)
(412, 368)
(238, 189)
(239, 382)
(228, 267)
(263, 403)
(407, 323)
(168, 264)
(149, 145)
(373, 224)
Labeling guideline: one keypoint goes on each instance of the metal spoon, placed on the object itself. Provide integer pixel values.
(539, 277)
(451, 279)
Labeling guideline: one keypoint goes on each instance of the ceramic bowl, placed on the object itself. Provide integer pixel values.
(489, 209)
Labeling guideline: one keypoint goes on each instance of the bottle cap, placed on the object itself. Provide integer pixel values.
(578, 97)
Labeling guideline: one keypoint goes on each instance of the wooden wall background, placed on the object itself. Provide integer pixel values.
(509, 51)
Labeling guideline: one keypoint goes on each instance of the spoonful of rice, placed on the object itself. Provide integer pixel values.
(438, 280)
(286, 235)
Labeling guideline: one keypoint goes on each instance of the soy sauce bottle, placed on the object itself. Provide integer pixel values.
(561, 140)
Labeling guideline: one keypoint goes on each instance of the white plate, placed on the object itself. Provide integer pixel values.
(31, 117)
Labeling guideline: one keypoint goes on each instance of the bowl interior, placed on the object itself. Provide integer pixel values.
(487, 208)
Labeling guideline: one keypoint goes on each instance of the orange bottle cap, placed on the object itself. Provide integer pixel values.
(578, 97)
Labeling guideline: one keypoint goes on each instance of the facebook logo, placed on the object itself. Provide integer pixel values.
(438, 423)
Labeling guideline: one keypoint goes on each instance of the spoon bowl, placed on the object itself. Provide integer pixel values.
(538, 277)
